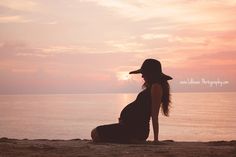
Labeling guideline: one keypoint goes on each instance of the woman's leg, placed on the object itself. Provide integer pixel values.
(111, 133)
(95, 135)
(119, 133)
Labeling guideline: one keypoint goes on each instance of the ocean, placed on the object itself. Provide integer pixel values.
(193, 116)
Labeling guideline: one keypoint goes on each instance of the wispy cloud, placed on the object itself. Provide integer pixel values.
(125, 46)
(13, 19)
(21, 5)
(175, 10)
(154, 36)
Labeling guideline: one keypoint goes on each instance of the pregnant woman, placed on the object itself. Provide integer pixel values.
(134, 119)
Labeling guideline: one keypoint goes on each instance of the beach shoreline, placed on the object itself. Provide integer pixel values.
(78, 147)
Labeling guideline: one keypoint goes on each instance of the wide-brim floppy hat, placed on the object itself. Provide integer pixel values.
(152, 66)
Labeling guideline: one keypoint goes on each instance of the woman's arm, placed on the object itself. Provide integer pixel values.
(156, 94)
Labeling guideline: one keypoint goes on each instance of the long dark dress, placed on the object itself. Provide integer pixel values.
(134, 121)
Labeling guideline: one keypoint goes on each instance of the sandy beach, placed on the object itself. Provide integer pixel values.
(86, 148)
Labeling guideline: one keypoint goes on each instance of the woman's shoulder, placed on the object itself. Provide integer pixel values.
(153, 86)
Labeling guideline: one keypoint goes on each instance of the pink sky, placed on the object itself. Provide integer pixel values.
(82, 46)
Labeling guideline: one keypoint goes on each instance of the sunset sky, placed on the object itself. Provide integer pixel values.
(89, 46)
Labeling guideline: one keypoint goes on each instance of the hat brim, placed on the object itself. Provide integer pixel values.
(166, 77)
(136, 71)
(163, 76)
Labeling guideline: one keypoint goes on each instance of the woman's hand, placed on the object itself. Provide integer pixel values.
(156, 139)
(156, 142)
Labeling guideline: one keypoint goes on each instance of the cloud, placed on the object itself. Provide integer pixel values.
(127, 9)
(221, 60)
(13, 19)
(175, 10)
(61, 43)
(125, 46)
(13, 49)
(52, 22)
(99, 72)
(73, 72)
(25, 70)
(69, 49)
(21, 5)
(213, 65)
(154, 36)
(21, 49)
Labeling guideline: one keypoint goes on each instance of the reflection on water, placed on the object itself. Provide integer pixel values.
(194, 116)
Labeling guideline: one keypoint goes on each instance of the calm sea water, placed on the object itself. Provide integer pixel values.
(193, 116)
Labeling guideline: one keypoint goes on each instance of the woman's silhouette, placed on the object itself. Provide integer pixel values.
(134, 118)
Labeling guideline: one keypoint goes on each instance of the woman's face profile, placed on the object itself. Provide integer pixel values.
(144, 77)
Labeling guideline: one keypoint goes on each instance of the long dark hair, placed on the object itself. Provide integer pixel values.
(166, 97)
